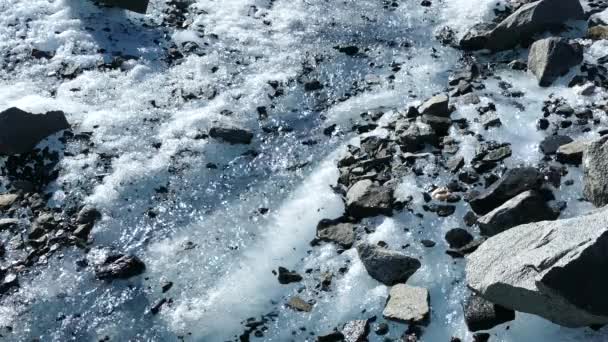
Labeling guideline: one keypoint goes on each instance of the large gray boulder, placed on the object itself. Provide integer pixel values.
(554, 269)
(511, 184)
(386, 266)
(366, 198)
(553, 57)
(527, 207)
(523, 24)
(595, 169)
(21, 131)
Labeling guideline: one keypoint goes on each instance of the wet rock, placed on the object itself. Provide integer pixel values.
(356, 331)
(553, 57)
(231, 134)
(551, 144)
(480, 314)
(548, 269)
(572, 153)
(21, 131)
(408, 304)
(595, 170)
(511, 184)
(340, 233)
(9, 281)
(366, 199)
(120, 266)
(7, 200)
(88, 215)
(458, 237)
(386, 266)
(298, 304)
(519, 27)
(527, 207)
(288, 277)
(437, 105)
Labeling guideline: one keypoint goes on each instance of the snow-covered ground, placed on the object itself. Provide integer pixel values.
(206, 233)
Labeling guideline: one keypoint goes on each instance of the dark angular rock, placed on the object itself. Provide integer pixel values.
(231, 134)
(288, 277)
(480, 314)
(458, 237)
(336, 231)
(386, 266)
(595, 170)
(21, 131)
(551, 144)
(88, 215)
(436, 106)
(572, 153)
(356, 331)
(120, 266)
(366, 199)
(553, 57)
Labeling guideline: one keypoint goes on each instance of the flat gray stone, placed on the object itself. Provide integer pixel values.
(386, 266)
(408, 304)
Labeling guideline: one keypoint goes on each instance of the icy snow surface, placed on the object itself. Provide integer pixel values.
(207, 235)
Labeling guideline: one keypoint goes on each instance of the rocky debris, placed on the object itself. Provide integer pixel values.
(356, 331)
(21, 131)
(480, 314)
(527, 207)
(366, 198)
(88, 215)
(595, 170)
(336, 231)
(288, 277)
(231, 134)
(386, 266)
(466, 249)
(298, 304)
(552, 143)
(7, 200)
(548, 269)
(437, 105)
(520, 27)
(120, 266)
(408, 304)
(553, 57)
(572, 153)
(511, 184)
(458, 237)
(8, 223)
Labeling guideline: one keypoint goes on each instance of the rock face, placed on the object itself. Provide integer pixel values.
(386, 266)
(21, 131)
(120, 266)
(512, 183)
(529, 19)
(479, 314)
(595, 169)
(231, 134)
(366, 199)
(527, 207)
(551, 269)
(553, 57)
(408, 304)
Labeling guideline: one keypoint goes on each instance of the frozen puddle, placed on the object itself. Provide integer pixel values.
(216, 219)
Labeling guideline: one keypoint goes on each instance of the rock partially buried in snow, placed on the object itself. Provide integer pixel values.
(595, 169)
(553, 57)
(527, 207)
(340, 233)
(480, 314)
(529, 19)
(551, 269)
(21, 131)
(386, 266)
(231, 134)
(366, 198)
(408, 304)
(120, 266)
(511, 184)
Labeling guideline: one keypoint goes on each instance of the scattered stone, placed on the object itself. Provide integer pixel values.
(83, 231)
(527, 207)
(366, 199)
(7, 200)
(512, 183)
(455, 163)
(21, 131)
(335, 336)
(386, 266)
(595, 170)
(599, 32)
(548, 269)
(437, 105)
(340, 233)
(120, 266)
(88, 215)
(553, 57)
(313, 86)
(551, 144)
(9, 281)
(458, 237)
(231, 134)
(381, 329)
(480, 314)
(441, 125)
(408, 304)
(481, 337)
(428, 243)
(356, 331)
(288, 277)
(8, 223)
(572, 153)
(298, 304)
